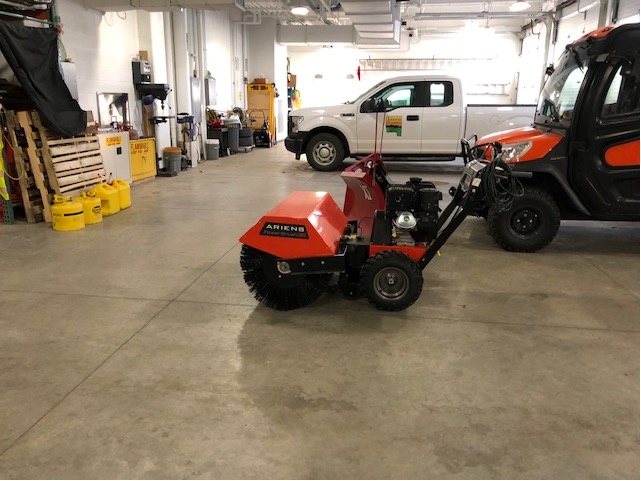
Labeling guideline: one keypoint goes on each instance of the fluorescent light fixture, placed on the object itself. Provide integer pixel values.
(519, 6)
(300, 10)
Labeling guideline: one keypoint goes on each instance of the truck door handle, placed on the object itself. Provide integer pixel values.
(347, 115)
(412, 117)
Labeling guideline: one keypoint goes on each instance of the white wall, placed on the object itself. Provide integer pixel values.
(280, 79)
(160, 59)
(268, 59)
(496, 73)
(218, 57)
(261, 41)
(102, 47)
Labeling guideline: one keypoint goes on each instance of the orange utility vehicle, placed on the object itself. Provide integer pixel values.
(583, 147)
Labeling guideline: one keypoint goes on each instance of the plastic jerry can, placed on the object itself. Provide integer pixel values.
(91, 207)
(124, 192)
(66, 216)
(109, 198)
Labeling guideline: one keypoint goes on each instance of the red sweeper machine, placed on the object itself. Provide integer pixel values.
(378, 244)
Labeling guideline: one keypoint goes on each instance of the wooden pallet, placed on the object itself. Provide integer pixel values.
(53, 163)
(31, 198)
(73, 164)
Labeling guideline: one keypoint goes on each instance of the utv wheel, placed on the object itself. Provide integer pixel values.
(530, 224)
(325, 152)
(391, 281)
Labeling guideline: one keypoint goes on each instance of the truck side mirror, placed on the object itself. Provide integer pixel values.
(374, 105)
(368, 106)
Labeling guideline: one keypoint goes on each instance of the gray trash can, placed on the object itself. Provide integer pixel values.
(171, 157)
(212, 149)
(233, 134)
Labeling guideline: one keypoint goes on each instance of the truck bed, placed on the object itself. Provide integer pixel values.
(484, 119)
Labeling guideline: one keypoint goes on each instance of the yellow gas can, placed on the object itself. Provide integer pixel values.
(124, 192)
(91, 208)
(66, 216)
(109, 198)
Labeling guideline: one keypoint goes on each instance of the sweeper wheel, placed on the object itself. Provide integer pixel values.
(391, 281)
(279, 291)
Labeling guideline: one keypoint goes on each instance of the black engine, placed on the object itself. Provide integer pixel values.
(410, 216)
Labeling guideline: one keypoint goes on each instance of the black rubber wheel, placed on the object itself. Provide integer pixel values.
(529, 225)
(325, 152)
(391, 281)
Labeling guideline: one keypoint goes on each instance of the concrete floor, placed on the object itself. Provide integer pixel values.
(132, 349)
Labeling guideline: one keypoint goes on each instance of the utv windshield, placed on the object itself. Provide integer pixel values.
(556, 104)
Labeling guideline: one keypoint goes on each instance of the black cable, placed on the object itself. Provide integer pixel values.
(499, 186)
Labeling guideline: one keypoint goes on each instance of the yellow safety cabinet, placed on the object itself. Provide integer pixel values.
(260, 107)
(143, 158)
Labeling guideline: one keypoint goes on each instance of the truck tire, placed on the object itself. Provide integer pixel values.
(325, 152)
(529, 225)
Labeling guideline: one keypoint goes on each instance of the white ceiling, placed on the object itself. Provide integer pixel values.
(377, 15)
(424, 15)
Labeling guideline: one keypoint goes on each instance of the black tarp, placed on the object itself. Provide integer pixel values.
(32, 54)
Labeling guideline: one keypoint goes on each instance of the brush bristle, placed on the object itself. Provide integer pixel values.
(281, 297)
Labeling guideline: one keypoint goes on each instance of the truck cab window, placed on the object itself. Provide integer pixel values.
(394, 96)
(440, 94)
(623, 93)
(401, 98)
(399, 95)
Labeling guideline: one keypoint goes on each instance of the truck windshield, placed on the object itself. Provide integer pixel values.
(366, 93)
(561, 89)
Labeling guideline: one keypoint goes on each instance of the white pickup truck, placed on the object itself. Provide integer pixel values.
(425, 118)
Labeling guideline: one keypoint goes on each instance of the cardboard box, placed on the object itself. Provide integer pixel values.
(260, 80)
(143, 55)
(291, 81)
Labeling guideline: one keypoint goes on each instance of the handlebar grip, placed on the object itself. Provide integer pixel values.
(523, 175)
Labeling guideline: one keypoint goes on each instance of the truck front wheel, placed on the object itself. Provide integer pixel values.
(529, 225)
(325, 152)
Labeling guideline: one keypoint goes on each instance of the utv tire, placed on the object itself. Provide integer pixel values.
(391, 281)
(529, 225)
(325, 152)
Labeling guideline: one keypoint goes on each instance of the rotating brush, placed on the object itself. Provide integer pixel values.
(275, 290)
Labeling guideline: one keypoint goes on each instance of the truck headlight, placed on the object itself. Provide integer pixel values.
(295, 120)
(513, 152)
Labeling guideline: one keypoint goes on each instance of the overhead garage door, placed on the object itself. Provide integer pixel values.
(576, 20)
(532, 66)
(628, 11)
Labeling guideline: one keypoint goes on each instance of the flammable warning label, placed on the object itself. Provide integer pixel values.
(111, 141)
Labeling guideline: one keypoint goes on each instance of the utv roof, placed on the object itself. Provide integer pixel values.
(604, 31)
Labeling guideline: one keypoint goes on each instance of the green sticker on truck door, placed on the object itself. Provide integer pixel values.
(394, 123)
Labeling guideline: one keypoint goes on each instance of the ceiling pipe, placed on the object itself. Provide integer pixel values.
(21, 6)
(484, 15)
(257, 20)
